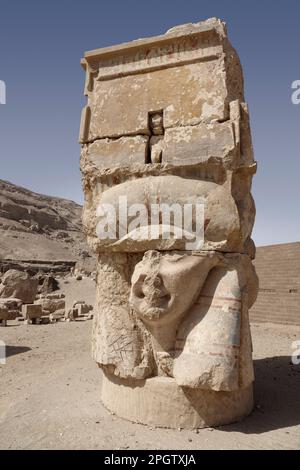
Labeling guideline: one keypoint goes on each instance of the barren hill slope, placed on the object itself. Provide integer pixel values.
(38, 227)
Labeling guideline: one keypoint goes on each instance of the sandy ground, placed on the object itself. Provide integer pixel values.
(50, 394)
(77, 290)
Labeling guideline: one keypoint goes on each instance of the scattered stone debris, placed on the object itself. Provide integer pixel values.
(37, 305)
(9, 309)
(79, 310)
(51, 302)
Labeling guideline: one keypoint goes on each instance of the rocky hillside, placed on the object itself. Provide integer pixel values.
(38, 227)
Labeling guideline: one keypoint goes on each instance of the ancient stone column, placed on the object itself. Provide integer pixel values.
(167, 165)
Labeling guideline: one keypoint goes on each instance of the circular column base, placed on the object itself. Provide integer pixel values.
(160, 402)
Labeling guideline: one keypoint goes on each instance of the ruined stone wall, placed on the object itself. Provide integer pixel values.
(278, 269)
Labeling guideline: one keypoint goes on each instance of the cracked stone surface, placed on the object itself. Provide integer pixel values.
(166, 123)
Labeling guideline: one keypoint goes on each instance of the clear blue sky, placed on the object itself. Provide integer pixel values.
(41, 43)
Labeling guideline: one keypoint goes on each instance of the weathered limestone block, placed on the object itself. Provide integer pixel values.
(32, 311)
(223, 226)
(192, 145)
(107, 153)
(167, 165)
(11, 303)
(79, 309)
(158, 401)
(200, 68)
(9, 309)
(7, 314)
(59, 315)
(51, 305)
(112, 100)
(18, 284)
(71, 314)
(84, 308)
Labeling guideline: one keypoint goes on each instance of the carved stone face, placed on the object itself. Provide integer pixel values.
(165, 285)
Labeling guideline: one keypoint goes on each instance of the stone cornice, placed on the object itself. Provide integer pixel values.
(175, 48)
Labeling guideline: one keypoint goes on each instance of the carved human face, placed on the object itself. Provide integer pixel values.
(165, 285)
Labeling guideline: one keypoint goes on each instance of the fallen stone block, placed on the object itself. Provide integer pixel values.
(72, 314)
(32, 311)
(7, 314)
(82, 307)
(51, 305)
(11, 303)
(18, 284)
(88, 316)
(57, 316)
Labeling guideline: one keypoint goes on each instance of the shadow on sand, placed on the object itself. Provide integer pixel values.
(13, 350)
(276, 395)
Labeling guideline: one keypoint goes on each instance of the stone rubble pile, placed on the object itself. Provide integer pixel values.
(31, 300)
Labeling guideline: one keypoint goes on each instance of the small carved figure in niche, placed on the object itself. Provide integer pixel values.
(156, 127)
